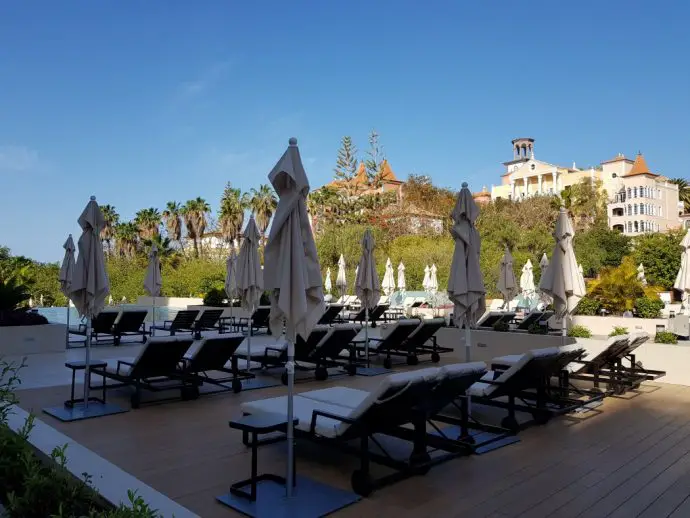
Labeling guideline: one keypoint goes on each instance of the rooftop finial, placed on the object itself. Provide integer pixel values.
(464, 185)
(292, 141)
(93, 198)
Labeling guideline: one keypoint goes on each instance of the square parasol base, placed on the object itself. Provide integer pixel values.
(78, 412)
(310, 499)
(259, 382)
(485, 441)
(372, 371)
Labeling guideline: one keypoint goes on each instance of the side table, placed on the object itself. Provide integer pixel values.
(256, 425)
(80, 366)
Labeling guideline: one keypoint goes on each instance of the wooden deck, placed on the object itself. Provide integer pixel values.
(633, 459)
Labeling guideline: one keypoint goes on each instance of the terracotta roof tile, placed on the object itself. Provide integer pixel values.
(640, 167)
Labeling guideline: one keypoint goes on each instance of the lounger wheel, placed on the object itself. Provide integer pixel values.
(510, 423)
(143, 339)
(321, 374)
(387, 363)
(189, 393)
(236, 386)
(284, 378)
(435, 357)
(412, 359)
(135, 401)
(116, 341)
(361, 483)
(351, 370)
(540, 418)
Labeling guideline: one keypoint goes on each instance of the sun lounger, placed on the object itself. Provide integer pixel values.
(130, 323)
(182, 323)
(422, 341)
(491, 318)
(102, 324)
(329, 351)
(374, 314)
(393, 342)
(534, 318)
(331, 314)
(363, 417)
(156, 368)
(528, 381)
(212, 354)
(207, 321)
(259, 319)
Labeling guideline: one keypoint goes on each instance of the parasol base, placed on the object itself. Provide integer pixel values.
(310, 499)
(78, 412)
(259, 382)
(484, 442)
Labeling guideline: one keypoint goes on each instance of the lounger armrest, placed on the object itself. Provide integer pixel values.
(82, 328)
(273, 349)
(123, 362)
(244, 320)
(167, 322)
(320, 413)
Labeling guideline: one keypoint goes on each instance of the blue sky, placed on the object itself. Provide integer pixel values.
(143, 102)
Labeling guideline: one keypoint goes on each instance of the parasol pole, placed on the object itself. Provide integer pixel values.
(249, 339)
(67, 330)
(87, 363)
(366, 333)
(290, 367)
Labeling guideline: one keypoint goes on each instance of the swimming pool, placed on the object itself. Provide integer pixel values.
(58, 315)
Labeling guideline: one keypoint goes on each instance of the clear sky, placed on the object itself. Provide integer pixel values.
(141, 102)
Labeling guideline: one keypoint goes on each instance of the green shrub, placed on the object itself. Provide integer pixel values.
(536, 329)
(214, 297)
(579, 331)
(501, 327)
(619, 330)
(665, 337)
(648, 307)
(588, 307)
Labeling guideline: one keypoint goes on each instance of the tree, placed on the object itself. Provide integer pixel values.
(195, 214)
(111, 218)
(127, 239)
(231, 214)
(167, 254)
(375, 160)
(618, 288)
(585, 202)
(148, 222)
(346, 163)
(172, 215)
(600, 247)
(660, 254)
(683, 192)
(263, 203)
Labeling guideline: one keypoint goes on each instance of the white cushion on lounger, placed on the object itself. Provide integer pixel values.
(343, 396)
(486, 389)
(259, 345)
(456, 370)
(124, 369)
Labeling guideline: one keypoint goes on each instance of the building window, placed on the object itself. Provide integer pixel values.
(641, 208)
(634, 192)
(629, 210)
(629, 193)
(637, 227)
(660, 211)
(635, 209)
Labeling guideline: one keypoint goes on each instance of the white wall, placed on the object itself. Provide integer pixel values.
(604, 325)
(174, 302)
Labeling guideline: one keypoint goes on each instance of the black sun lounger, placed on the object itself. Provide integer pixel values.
(207, 321)
(393, 342)
(331, 314)
(259, 319)
(130, 323)
(351, 420)
(529, 381)
(156, 368)
(212, 355)
(534, 318)
(422, 341)
(374, 314)
(493, 317)
(102, 324)
(182, 323)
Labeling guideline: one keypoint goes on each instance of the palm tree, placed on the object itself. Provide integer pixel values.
(231, 215)
(148, 221)
(683, 192)
(194, 214)
(111, 218)
(127, 239)
(262, 203)
(173, 220)
(167, 254)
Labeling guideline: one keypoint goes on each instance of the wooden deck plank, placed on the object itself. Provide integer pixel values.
(187, 451)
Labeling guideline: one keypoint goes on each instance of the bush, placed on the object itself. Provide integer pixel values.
(665, 337)
(647, 307)
(579, 331)
(215, 297)
(20, 317)
(588, 307)
(536, 329)
(30, 488)
(501, 327)
(618, 331)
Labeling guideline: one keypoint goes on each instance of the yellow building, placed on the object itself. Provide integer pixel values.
(639, 200)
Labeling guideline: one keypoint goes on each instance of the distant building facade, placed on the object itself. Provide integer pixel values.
(639, 200)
